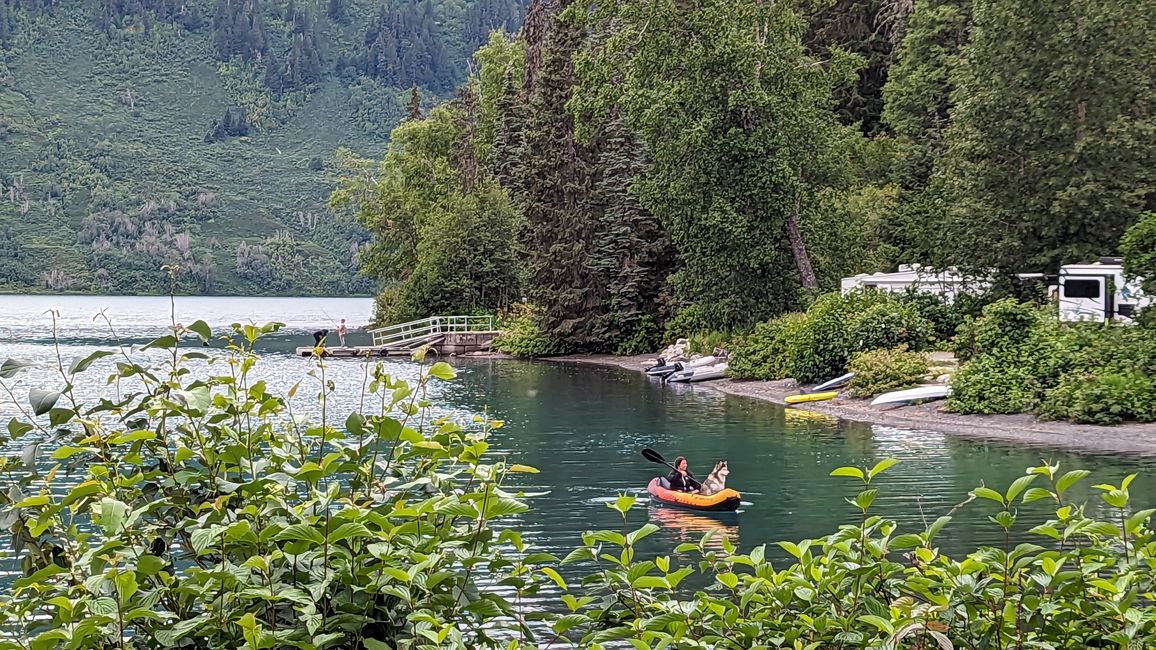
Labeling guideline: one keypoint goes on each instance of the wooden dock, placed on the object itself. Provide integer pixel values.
(446, 334)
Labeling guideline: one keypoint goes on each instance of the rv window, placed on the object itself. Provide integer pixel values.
(1081, 288)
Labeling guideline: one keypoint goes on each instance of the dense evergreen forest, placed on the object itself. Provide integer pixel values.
(202, 133)
(669, 167)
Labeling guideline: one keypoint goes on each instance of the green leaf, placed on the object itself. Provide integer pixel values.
(882, 466)
(149, 564)
(937, 526)
(988, 493)
(350, 530)
(555, 576)
(906, 541)
(883, 624)
(443, 371)
(374, 644)
(201, 329)
(11, 367)
(82, 364)
(17, 429)
(42, 401)
(1019, 485)
(112, 515)
(301, 533)
(1036, 494)
(1068, 480)
(166, 342)
(852, 472)
(132, 436)
(523, 468)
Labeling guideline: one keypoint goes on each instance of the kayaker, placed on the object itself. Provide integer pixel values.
(680, 478)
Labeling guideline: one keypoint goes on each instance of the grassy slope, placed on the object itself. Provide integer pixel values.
(63, 100)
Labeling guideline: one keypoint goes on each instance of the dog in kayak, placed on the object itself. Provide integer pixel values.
(716, 481)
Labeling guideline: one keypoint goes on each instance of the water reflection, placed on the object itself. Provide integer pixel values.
(686, 526)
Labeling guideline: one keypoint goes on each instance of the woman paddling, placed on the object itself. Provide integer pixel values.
(680, 478)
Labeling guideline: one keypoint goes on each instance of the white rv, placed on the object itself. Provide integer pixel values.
(1098, 292)
(945, 284)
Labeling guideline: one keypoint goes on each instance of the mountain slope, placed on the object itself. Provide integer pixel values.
(139, 133)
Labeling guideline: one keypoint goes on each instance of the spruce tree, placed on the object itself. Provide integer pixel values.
(413, 108)
(554, 192)
(504, 155)
(630, 249)
(1052, 146)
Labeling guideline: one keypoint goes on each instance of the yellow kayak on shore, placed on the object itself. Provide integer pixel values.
(811, 397)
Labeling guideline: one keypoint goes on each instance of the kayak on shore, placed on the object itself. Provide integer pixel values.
(811, 397)
(726, 500)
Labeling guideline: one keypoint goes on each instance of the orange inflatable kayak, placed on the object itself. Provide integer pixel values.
(724, 501)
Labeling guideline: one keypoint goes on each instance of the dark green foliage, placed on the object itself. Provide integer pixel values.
(1051, 153)
(888, 325)
(944, 318)
(444, 234)
(881, 371)
(523, 336)
(920, 83)
(764, 354)
(239, 29)
(741, 140)
(630, 251)
(404, 47)
(232, 124)
(13, 270)
(506, 151)
(1023, 360)
(1139, 249)
(818, 345)
(858, 26)
(1103, 397)
(555, 185)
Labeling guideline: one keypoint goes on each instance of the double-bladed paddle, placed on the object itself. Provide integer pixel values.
(655, 457)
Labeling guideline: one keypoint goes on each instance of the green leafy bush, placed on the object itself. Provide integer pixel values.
(1102, 398)
(706, 342)
(889, 325)
(944, 318)
(880, 371)
(871, 585)
(763, 354)
(523, 336)
(818, 345)
(646, 336)
(1020, 359)
(986, 386)
(214, 517)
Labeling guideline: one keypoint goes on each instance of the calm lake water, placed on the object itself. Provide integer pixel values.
(583, 428)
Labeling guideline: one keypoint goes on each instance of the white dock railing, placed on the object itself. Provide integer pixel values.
(427, 329)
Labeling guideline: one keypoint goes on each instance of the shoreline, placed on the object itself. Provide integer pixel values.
(1023, 429)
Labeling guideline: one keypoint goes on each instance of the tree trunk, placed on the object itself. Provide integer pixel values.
(802, 260)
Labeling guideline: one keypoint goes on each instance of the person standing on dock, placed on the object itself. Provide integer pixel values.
(341, 332)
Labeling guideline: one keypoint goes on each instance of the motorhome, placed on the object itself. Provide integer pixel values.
(948, 284)
(1099, 292)
(1096, 292)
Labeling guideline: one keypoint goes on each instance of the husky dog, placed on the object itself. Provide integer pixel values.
(716, 481)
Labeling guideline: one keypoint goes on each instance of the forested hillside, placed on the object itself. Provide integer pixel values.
(673, 167)
(202, 133)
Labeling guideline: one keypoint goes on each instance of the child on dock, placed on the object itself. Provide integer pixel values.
(341, 332)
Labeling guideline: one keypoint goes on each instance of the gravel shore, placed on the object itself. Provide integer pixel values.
(1138, 439)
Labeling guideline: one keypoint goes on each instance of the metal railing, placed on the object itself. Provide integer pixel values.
(426, 329)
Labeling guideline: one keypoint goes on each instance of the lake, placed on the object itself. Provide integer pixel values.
(584, 427)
